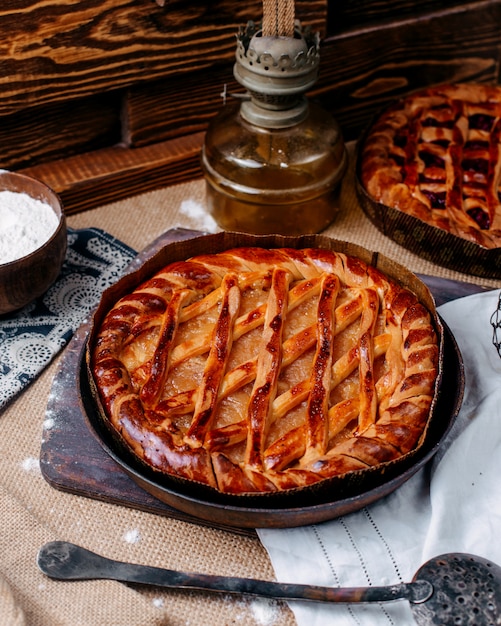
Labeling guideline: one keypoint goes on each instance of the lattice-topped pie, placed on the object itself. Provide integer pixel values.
(258, 370)
(436, 155)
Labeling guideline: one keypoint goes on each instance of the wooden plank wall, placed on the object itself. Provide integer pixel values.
(365, 68)
(104, 99)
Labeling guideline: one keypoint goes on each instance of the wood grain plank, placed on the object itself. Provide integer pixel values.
(382, 63)
(361, 71)
(173, 95)
(44, 134)
(349, 14)
(162, 110)
(103, 176)
(55, 50)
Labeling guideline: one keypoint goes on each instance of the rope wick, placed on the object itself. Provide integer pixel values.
(278, 18)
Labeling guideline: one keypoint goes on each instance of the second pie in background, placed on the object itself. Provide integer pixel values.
(428, 175)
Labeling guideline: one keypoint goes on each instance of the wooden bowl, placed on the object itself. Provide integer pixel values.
(24, 279)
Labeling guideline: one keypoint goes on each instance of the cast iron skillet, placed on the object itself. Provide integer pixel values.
(319, 502)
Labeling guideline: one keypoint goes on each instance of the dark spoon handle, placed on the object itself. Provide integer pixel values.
(66, 561)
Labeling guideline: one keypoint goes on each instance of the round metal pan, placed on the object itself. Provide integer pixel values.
(273, 513)
(428, 242)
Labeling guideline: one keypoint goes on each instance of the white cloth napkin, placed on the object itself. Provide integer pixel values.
(451, 505)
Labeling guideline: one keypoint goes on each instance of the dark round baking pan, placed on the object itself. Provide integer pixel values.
(311, 505)
(426, 241)
(325, 500)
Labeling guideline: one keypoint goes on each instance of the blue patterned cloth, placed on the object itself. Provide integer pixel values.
(32, 336)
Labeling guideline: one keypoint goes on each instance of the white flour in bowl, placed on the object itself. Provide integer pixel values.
(25, 224)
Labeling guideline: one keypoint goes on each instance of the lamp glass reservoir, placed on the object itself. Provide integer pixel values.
(273, 162)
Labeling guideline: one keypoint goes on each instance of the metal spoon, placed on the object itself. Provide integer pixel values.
(455, 589)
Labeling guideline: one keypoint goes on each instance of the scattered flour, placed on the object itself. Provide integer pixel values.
(198, 216)
(49, 423)
(158, 602)
(132, 536)
(265, 612)
(30, 464)
(25, 224)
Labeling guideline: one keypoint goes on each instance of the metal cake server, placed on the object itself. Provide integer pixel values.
(452, 589)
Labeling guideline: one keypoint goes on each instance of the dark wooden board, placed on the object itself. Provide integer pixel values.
(71, 457)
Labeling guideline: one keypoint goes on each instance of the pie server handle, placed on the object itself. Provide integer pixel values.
(66, 561)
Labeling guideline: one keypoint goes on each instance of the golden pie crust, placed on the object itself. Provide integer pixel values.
(435, 155)
(262, 370)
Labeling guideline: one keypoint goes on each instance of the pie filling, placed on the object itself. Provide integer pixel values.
(256, 370)
(436, 155)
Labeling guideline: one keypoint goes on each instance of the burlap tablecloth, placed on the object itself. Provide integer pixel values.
(32, 512)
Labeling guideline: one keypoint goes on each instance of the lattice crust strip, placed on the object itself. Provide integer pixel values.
(436, 155)
(262, 370)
